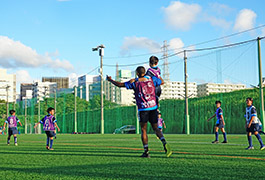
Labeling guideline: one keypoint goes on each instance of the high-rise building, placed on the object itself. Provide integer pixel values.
(210, 88)
(7, 82)
(176, 90)
(85, 81)
(41, 90)
(62, 82)
(25, 89)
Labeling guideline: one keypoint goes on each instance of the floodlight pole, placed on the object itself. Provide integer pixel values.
(75, 109)
(101, 54)
(260, 85)
(187, 118)
(7, 105)
(55, 101)
(26, 123)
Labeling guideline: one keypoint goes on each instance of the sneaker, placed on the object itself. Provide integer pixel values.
(225, 142)
(168, 150)
(262, 148)
(15, 144)
(215, 142)
(8, 144)
(47, 147)
(250, 148)
(145, 155)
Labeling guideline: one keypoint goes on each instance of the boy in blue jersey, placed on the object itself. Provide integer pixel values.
(12, 126)
(252, 124)
(144, 91)
(220, 123)
(49, 124)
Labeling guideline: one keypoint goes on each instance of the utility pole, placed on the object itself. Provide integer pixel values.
(187, 118)
(75, 109)
(26, 124)
(39, 130)
(260, 85)
(55, 100)
(7, 105)
(81, 92)
(101, 54)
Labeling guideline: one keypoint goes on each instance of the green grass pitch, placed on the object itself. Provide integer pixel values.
(117, 157)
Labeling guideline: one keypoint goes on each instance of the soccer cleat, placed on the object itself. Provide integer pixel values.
(225, 142)
(168, 150)
(145, 155)
(215, 142)
(250, 148)
(47, 147)
(51, 149)
(262, 148)
(15, 144)
(8, 144)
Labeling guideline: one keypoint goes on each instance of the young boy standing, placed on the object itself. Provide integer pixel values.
(160, 123)
(144, 91)
(49, 124)
(220, 123)
(12, 126)
(252, 125)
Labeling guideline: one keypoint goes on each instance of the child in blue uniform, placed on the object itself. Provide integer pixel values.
(252, 124)
(144, 91)
(12, 126)
(49, 124)
(220, 123)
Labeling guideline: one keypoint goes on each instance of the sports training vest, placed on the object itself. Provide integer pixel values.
(12, 121)
(248, 115)
(48, 124)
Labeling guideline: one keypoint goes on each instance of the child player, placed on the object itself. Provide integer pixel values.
(144, 91)
(154, 71)
(252, 125)
(160, 123)
(220, 123)
(49, 124)
(12, 126)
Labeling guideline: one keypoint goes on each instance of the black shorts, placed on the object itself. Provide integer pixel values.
(151, 116)
(50, 133)
(253, 128)
(220, 125)
(12, 131)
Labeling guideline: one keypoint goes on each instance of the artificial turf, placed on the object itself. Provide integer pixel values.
(117, 157)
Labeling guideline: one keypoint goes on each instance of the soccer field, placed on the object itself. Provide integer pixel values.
(117, 157)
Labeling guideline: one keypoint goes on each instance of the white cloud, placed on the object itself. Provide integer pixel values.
(176, 44)
(23, 76)
(219, 22)
(14, 54)
(137, 43)
(180, 15)
(245, 20)
(220, 9)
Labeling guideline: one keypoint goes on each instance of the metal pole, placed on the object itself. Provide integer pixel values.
(81, 92)
(260, 86)
(39, 130)
(7, 105)
(55, 102)
(26, 124)
(75, 110)
(101, 90)
(187, 118)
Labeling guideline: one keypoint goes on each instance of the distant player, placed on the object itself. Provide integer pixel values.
(252, 124)
(220, 123)
(12, 126)
(260, 127)
(160, 123)
(154, 71)
(49, 124)
(144, 91)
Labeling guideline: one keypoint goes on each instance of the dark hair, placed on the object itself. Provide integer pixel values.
(249, 98)
(216, 102)
(12, 111)
(140, 70)
(153, 60)
(49, 109)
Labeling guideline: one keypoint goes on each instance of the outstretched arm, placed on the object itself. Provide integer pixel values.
(36, 124)
(211, 117)
(116, 83)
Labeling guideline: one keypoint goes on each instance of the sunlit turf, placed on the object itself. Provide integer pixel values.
(117, 157)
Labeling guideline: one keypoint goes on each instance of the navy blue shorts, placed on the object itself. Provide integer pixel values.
(50, 133)
(151, 116)
(220, 125)
(253, 128)
(12, 131)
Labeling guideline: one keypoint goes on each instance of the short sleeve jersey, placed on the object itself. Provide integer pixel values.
(12, 121)
(153, 71)
(218, 113)
(48, 122)
(250, 112)
(160, 122)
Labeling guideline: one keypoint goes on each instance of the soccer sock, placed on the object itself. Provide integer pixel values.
(163, 140)
(8, 140)
(260, 140)
(250, 141)
(216, 136)
(224, 134)
(47, 143)
(51, 142)
(146, 148)
(15, 139)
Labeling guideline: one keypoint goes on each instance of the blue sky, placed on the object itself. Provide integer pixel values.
(54, 38)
